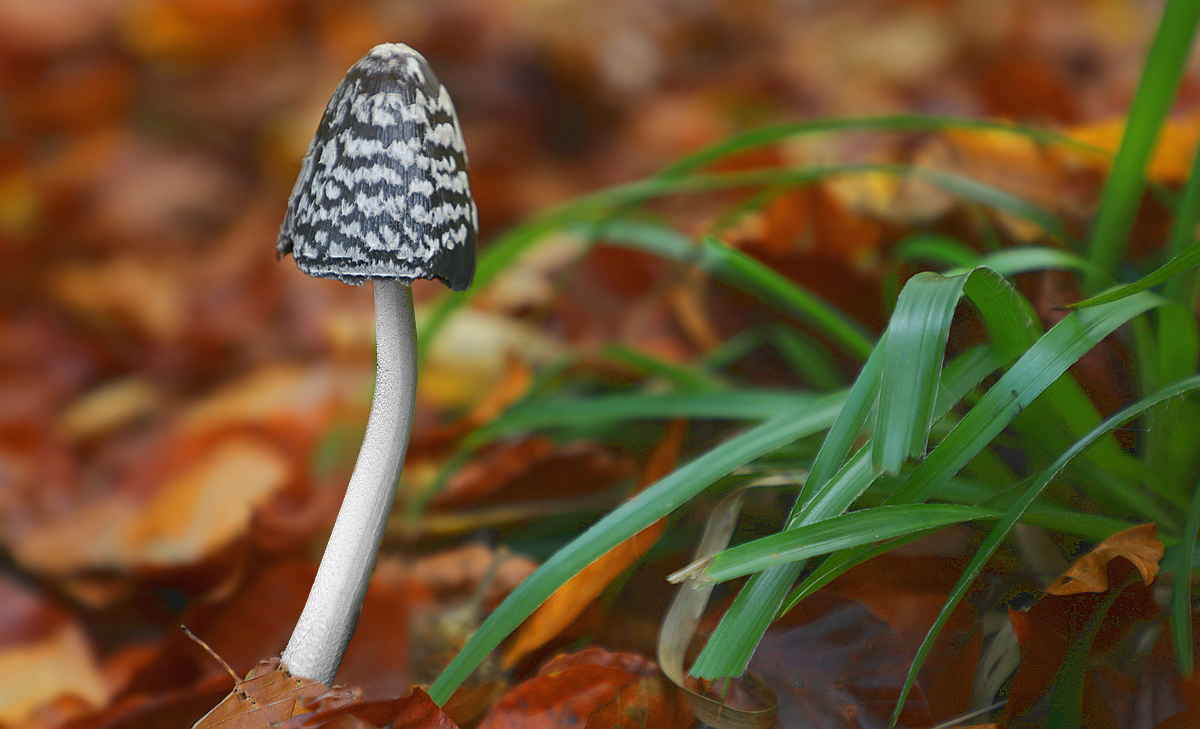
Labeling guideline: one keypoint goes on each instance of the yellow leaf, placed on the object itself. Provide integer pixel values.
(61, 664)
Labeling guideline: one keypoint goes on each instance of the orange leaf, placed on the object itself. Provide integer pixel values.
(1172, 159)
(1139, 545)
(569, 601)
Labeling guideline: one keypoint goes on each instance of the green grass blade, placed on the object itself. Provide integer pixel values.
(1160, 81)
(1025, 259)
(838, 564)
(939, 250)
(845, 531)
(825, 495)
(808, 359)
(1044, 363)
(1181, 598)
(917, 335)
(684, 377)
(1010, 322)
(564, 412)
(1015, 512)
(739, 270)
(1183, 228)
(748, 617)
(642, 510)
(1187, 259)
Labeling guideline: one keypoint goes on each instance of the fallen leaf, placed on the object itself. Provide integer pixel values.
(108, 407)
(202, 31)
(1140, 545)
(207, 506)
(453, 575)
(567, 690)
(834, 664)
(44, 655)
(270, 694)
(470, 356)
(124, 293)
(416, 711)
(569, 600)
(258, 618)
(651, 701)
(907, 593)
(276, 393)
(1189, 718)
(199, 509)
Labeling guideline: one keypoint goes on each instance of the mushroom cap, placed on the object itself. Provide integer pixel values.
(383, 189)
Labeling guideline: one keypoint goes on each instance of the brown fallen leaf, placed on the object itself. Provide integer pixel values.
(569, 601)
(568, 689)
(270, 694)
(1140, 545)
(651, 701)
(833, 663)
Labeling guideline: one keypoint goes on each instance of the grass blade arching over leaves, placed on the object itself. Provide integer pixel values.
(647, 507)
(1008, 318)
(1044, 363)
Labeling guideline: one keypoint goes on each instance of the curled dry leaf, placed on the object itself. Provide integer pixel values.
(1140, 545)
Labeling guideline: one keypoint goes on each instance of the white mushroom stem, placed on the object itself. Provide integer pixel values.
(324, 629)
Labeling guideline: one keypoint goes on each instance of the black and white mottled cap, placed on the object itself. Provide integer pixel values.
(383, 190)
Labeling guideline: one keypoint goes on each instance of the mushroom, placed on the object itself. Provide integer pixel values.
(382, 195)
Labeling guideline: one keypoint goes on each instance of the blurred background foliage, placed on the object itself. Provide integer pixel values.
(178, 411)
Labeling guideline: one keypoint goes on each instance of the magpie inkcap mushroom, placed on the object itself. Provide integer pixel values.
(382, 195)
(383, 189)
